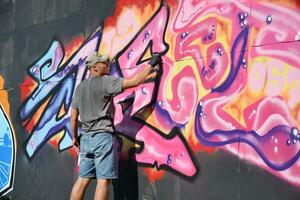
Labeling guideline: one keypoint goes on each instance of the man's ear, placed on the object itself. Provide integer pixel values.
(94, 68)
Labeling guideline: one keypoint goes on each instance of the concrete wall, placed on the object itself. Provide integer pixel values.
(222, 121)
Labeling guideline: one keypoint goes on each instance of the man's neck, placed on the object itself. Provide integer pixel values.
(96, 75)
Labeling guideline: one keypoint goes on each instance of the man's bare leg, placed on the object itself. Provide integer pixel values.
(102, 189)
(79, 188)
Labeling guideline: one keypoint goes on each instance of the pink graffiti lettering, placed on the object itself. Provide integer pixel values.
(153, 149)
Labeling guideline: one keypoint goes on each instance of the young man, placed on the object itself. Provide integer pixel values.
(93, 101)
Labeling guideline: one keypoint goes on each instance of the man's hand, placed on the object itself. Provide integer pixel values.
(76, 143)
(149, 72)
(74, 123)
(155, 60)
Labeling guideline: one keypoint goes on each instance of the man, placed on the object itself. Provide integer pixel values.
(93, 101)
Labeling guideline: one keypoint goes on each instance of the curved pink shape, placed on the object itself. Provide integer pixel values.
(185, 95)
(154, 151)
(156, 148)
(216, 66)
(267, 113)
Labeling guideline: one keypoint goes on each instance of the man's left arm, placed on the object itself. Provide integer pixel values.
(74, 126)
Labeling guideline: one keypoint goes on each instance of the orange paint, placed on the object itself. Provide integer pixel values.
(36, 117)
(56, 138)
(153, 174)
(62, 111)
(4, 98)
(196, 146)
(27, 87)
(73, 46)
(121, 4)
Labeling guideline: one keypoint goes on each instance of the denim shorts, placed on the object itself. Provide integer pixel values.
(98, 156)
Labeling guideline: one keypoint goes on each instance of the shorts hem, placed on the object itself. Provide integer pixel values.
(90, 177)
(107, 177)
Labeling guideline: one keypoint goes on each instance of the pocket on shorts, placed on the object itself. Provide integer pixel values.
(103, 143)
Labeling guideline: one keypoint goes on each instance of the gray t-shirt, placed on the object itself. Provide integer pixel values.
(94, 100)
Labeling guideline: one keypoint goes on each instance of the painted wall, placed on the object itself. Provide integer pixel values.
(221, 122)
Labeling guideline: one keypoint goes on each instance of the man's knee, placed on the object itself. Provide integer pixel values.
(103, 182)
(82, 183)
(79, 188)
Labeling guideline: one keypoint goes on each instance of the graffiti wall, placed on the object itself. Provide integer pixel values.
(220, 122)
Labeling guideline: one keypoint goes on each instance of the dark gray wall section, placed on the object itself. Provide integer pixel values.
(28, 27)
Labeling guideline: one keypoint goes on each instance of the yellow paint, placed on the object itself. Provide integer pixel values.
(4, 98)
(112, 45)
(277, 72)
(57, 137)
(61, 112)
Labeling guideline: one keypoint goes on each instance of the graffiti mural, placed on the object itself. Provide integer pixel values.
(7, 145)
(264, 123)
(230, 80)
(45, 112)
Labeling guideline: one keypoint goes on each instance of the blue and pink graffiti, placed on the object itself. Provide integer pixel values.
(212, 55)
(56, 83)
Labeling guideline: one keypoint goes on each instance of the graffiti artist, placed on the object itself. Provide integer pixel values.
(93, 102)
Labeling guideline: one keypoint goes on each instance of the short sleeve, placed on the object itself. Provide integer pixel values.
(113, 85)
(75, 102)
